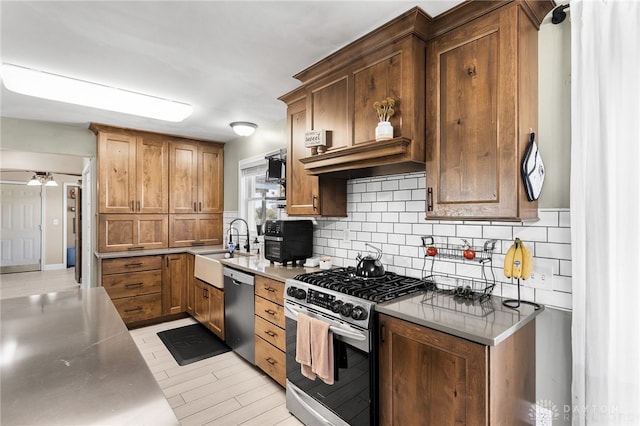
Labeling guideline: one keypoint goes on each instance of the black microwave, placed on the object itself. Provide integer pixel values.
(288, 240)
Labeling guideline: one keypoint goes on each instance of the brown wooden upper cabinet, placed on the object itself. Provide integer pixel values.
(482, 103)
(308, 195)
(341, 89)
(132, 173)
(157, 191)
(196, 177)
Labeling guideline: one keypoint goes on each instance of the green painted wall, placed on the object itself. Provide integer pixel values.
(42, 136)
(266, 138)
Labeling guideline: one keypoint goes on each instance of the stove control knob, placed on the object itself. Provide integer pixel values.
(296, 293)
(359, 313)
(336, 306)
(346, 309)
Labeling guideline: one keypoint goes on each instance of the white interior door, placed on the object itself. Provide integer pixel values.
(21, 232)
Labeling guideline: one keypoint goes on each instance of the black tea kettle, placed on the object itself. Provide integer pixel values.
(368, 267)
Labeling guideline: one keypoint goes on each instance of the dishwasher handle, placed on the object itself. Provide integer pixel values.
(238, 277)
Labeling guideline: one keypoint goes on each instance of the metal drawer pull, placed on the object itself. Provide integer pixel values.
(133, 265)
(270, 311)
(271, 289)
(195, 209)
(132, 285)
(271, 361)
(139, 308)
(133, 209)
(138, 205)
(270, 333)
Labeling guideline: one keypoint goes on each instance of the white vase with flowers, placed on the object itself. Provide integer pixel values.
(384, 108)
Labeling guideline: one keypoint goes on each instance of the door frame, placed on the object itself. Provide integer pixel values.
(65, 207)
(42, 216)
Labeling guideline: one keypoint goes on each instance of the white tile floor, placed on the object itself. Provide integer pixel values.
(223, 390)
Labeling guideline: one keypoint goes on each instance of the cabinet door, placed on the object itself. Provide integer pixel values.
(183, 177)
(479, 118)
(174, 288)
(119, 232)
(216, 311)
(201, 301)
(116, 173)
(209, 229)
(432, 378)
(373, 83)
(152, 182)
(302, 188)
(210, 179)
(330, 106)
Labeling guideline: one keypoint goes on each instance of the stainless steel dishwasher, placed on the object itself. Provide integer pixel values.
(239, 310)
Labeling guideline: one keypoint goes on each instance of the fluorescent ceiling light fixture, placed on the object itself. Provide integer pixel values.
(243, 128)
(55, 87)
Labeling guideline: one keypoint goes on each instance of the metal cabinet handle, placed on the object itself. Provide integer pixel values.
(270, 333)
(200, 206)
(133, 285)
(139, 308)
(133, 207)
(271, 361)
(133, 265)
(313, 202)
(138, 205)
(270, 311)
(194, 206)
(270, 289)
(429, 199)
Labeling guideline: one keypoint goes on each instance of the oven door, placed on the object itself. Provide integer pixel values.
(349, 399)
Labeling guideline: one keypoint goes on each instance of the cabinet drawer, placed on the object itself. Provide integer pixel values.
(271, 333)
(131, 264)
(270, 311)
(270, 289)
(133, 284)
(271, 360)
(139, 308)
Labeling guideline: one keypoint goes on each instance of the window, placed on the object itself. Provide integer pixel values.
(259, 198)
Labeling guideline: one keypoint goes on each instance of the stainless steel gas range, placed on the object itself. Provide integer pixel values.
(347, 303)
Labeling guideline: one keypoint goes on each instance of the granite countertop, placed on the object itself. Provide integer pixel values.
(68, 359)
(487, 323)
(192, 250)
(258, 265)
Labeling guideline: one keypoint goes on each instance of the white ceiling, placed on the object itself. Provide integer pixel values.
(231, 60)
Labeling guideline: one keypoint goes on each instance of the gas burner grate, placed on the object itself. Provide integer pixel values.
(376, 289)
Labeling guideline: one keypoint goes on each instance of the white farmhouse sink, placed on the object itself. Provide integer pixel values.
(207, 267)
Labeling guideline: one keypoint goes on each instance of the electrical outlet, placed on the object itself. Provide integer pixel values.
(541, 277)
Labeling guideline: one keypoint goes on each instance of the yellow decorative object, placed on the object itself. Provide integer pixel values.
(385, 109)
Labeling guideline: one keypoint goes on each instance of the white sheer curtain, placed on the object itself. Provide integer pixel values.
(605, 217)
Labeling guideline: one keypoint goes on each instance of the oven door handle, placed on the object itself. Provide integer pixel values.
(335, 330)
(294, 392)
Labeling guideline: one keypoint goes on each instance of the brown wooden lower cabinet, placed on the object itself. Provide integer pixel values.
(432, 378)
(270, 328)
(208, 306)
(174, 291)
(145, 288)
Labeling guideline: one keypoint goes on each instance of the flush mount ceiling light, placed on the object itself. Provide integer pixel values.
(243, 128)
(55, 87)
(42, 178)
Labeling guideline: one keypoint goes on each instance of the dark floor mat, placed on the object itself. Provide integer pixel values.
(192, 343)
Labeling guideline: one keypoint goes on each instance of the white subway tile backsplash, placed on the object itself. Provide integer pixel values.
(493, 232)
(389, 212)
(560, 235)
(390, 185)
(469, 231)
(402, 195)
